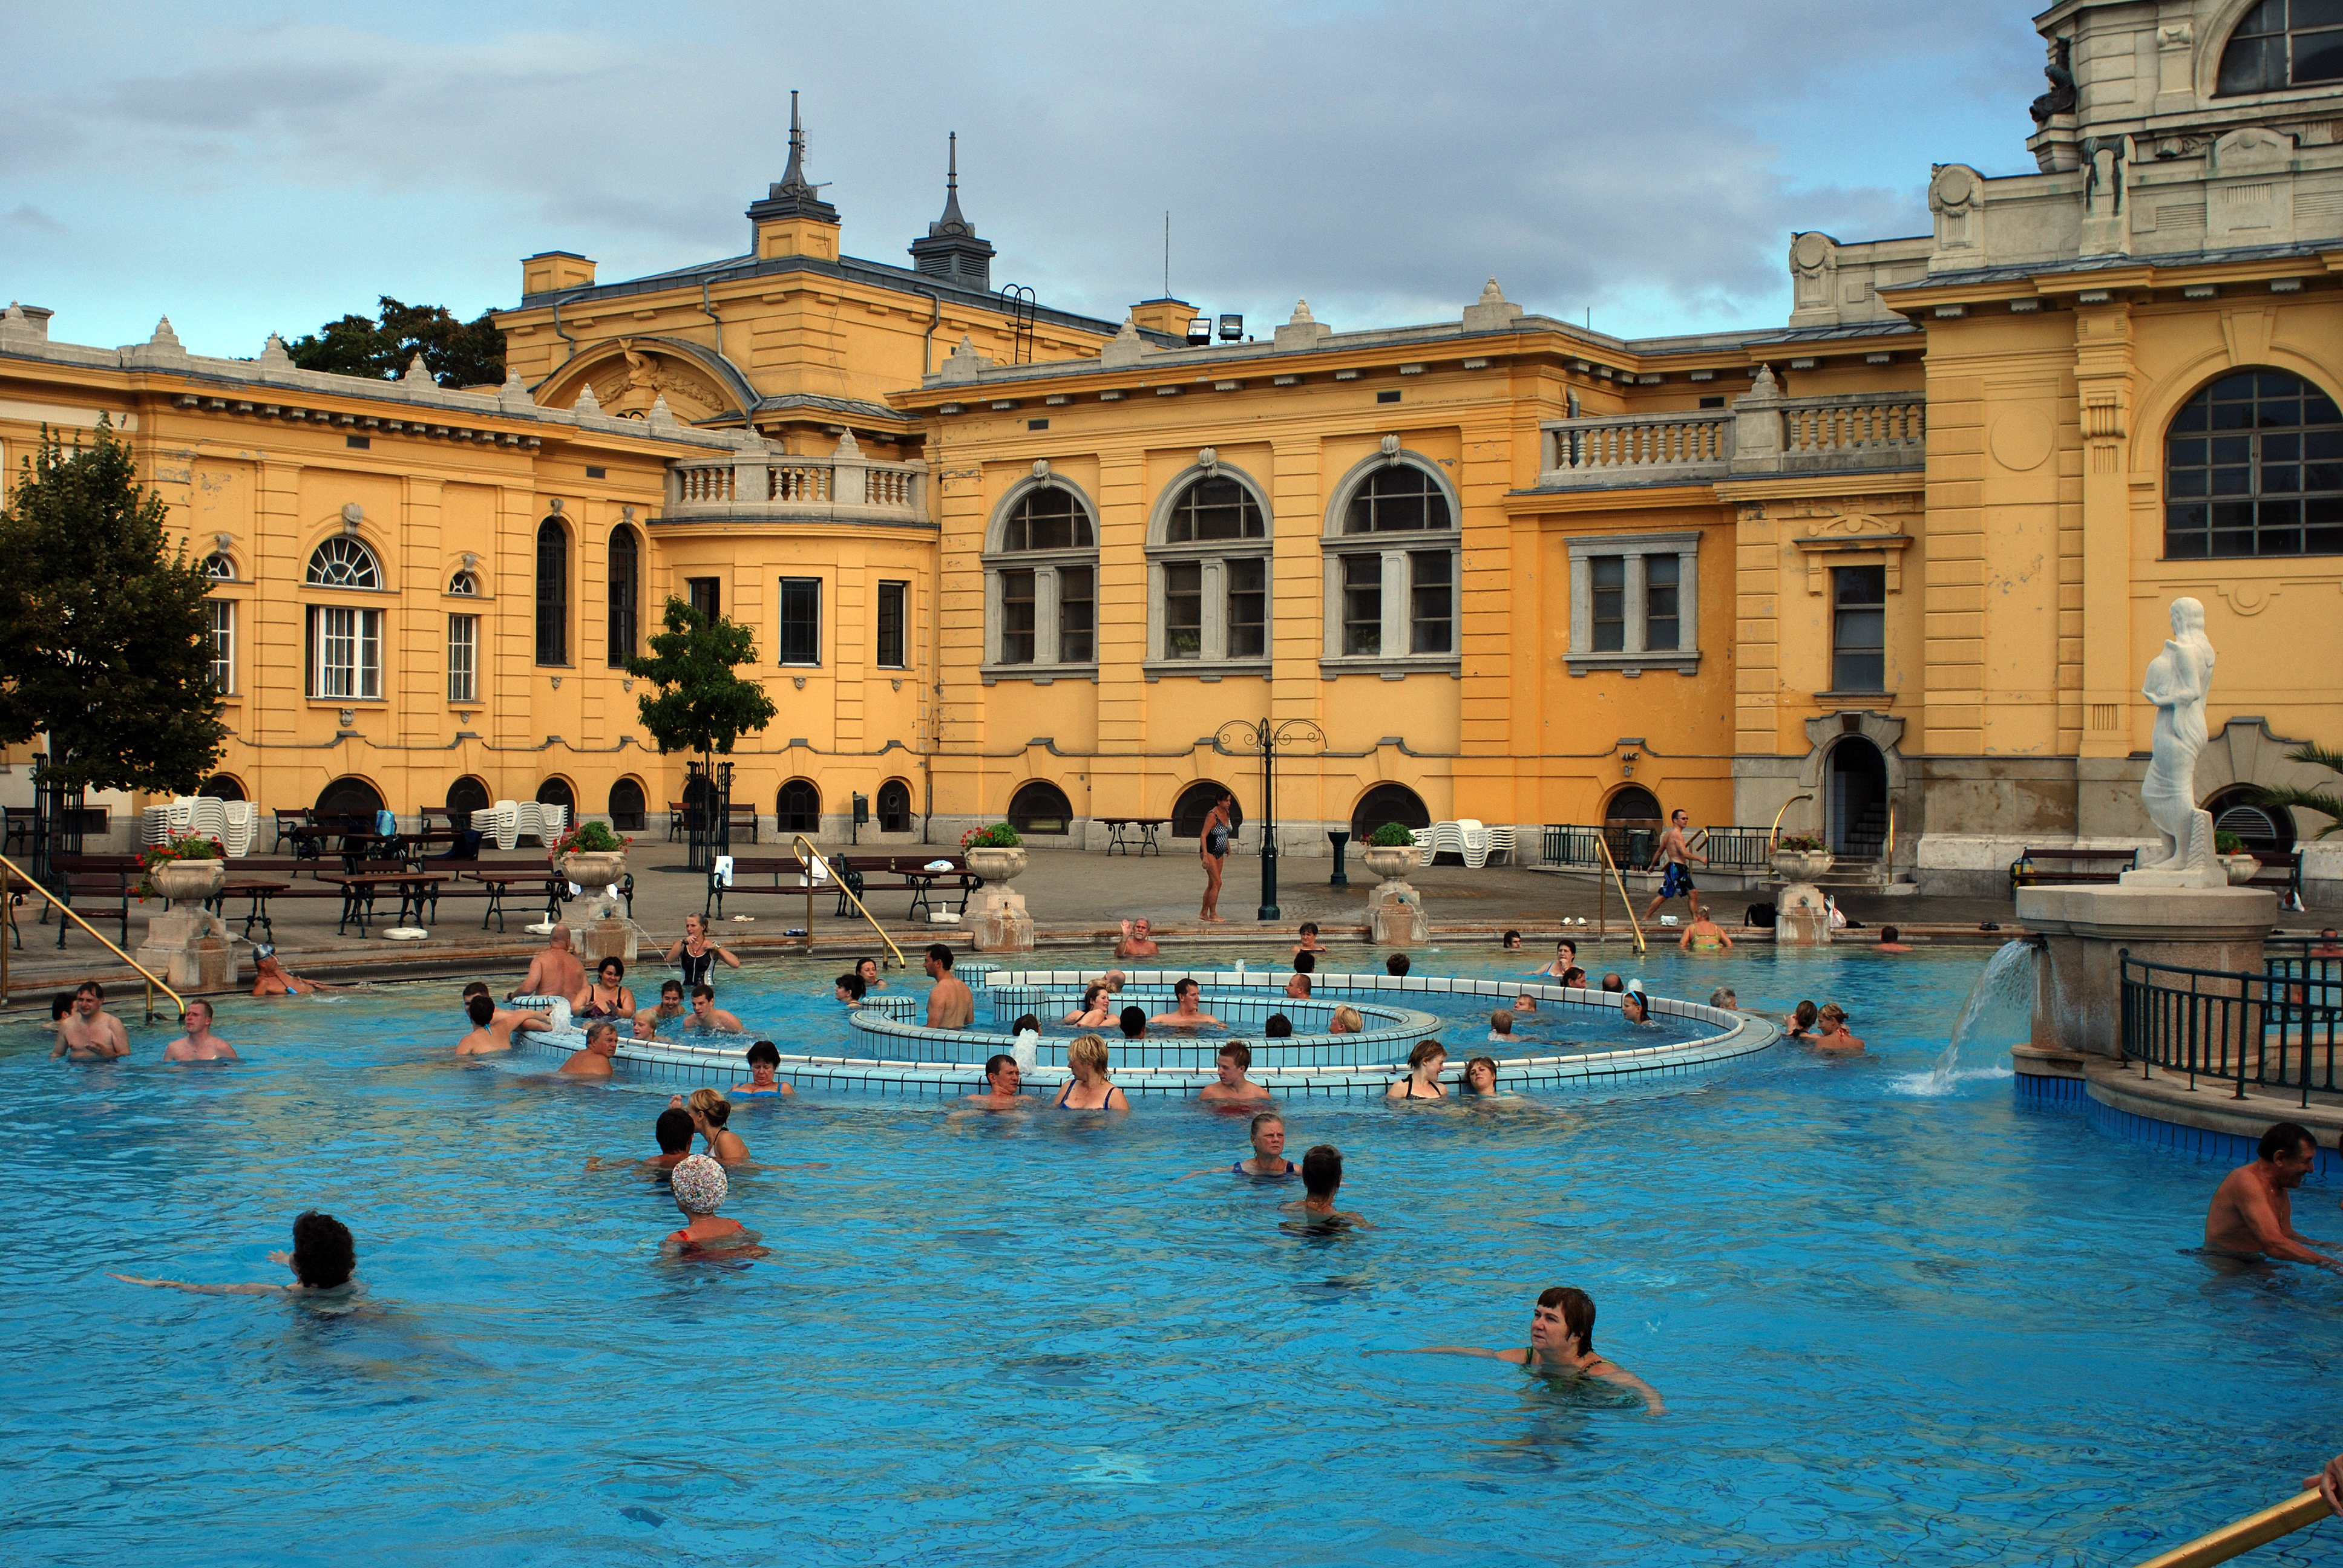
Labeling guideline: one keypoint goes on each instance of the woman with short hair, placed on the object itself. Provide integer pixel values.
(1562, 1344)
(1346, 1020)
(1090, 1089)
(607, 995)
(1423, 1079)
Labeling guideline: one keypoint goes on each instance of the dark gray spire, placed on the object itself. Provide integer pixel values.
(952, 249)
(793, 196)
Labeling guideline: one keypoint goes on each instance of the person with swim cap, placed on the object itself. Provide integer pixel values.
(700, 1187)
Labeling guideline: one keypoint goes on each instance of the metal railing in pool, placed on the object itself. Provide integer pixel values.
(154, 982)
(1582, 846)
(2275, 1030)
(2241, 1536)
(807, 854)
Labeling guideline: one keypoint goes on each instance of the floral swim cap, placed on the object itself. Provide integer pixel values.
(699, 1184)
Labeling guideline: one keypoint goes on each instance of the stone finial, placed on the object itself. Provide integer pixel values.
(417, 372)
(273, 356)
(1302, 330)
(164, 336)
(515, 392)
(1300, 313)
(1762, 387)
(587, 402)
(848, 447)
(660, 414)
(1128, 345)
(964, 363)
(1494, 313)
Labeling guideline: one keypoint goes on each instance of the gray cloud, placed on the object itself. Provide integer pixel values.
(25, 216)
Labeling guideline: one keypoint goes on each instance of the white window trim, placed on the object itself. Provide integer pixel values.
(1394, 548)
(1214, 555)
(361, 671)
(820, 605)
(223, 640)
(1045, 565)
(473, 673)
(1635, 658)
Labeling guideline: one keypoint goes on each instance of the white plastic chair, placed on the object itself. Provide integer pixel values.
(1472, 842)
(501, 822)
(1501, 842)
(1426, 837)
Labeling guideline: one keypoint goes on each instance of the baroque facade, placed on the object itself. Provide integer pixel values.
(1888, 572)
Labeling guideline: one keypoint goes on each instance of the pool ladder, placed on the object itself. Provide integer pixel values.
(64, 910)
(809, 857)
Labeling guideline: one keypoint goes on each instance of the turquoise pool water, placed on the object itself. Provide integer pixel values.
(1891, 1325)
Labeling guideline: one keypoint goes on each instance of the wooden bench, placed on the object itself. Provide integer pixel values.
(2282, 874)
(2038, 867)
(744, 811)
(80, 880)
(744, 866)
(911, 873)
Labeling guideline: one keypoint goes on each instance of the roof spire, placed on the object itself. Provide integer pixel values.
(793, 179)
(794, 196)
(950, 248)
(952, 223)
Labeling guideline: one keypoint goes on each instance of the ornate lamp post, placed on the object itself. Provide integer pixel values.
(1247, 738)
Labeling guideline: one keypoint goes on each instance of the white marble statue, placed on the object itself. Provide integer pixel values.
(2178, 681)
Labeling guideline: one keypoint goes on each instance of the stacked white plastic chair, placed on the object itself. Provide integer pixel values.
(501, 822)
(1471, 841)
(229, 821)
(1501, 842)
(1424, 848)
(547, 822)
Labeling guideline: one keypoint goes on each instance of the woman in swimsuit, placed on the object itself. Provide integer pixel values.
(1562, 1343)
(1094, 1012)
(1089, 1088)
(1346, 1020)
(764, 1062)
(695, 955)
(710, 1112)
(1267, 1150)
(1423, 1079)
(699, 1188)
(1214, 852)
(608, 996)
(1481, 1075)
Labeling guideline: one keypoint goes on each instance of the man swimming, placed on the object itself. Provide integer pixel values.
(1322, 1182)
(1136, 943)
(670, 1007)
(89, 1032)
(1184, 1013)
(950, 1004)
(1232, 1061)
(1888, 942)
(556, 971)
(1562, 1340)
(594, 1061)
(1004, 1087)
(673, 1131)
(706, 1016)
(1298, 987)
(764, 1061)
(2252, 1212)
(323, 1261)
(493, 1026)
(199, 1043)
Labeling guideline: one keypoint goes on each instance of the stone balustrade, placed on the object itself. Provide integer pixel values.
(760, 484)
(1763, 433)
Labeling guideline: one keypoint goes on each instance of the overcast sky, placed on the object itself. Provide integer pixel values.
(243, 167)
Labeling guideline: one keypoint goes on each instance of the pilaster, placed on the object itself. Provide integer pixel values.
(2103, 382)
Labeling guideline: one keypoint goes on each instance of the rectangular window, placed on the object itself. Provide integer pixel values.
(1362, 605)
(223, 612)
(1859, 629)
(1016, 617)
(345, 652)
(463, 658)
(1184, 610)
(893, 597)
(1077, 614)
(1248, 609)
(1660, 614)
(1431, 600)
(800, 620)
(1610, 578)
(706, 594)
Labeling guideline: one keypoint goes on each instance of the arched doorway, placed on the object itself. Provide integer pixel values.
(349, 797)
(1387, 803)
(1196, 802)
(556, 791)
(1039, 806)
(1631, 825)
(2266, 832)
(224, 787)
(627, 806)
(895, 806)
(799, 808)
(466, 796)
(1856, 800)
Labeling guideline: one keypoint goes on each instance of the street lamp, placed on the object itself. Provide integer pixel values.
(1248, 737)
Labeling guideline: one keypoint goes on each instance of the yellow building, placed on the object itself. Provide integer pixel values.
(1890, 570)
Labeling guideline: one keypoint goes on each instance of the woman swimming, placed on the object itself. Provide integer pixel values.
(1423, 1079)
(1481, 1076)
(1562, 1343)
(608, 996)
(1089, 1088)
(1094, 1012)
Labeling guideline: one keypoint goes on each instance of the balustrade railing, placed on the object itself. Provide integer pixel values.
(1762, 434)
(758, 485)
(2276, 1029)
(1864, 424)
(802, 483)
(1608, 448)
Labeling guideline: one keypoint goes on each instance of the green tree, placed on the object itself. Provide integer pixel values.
(104, 639)
(456, 353)
(700, 705)
(2325, 801)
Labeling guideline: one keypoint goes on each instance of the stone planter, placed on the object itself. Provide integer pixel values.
(185, 944)
(187, 883)
(604, 936)
(594, 868)
(997, 920)
(998, 865)
(2241, 867)
(1801, 865)
(1391, 861)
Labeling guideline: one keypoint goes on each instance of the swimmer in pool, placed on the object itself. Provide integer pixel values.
(2252, 1213)
(1574, 978)
(323, 1261)
(1136, 943)
(1481, 1076)
(1725, 996)
(556, 971)
(1888, 942)
(608, 996)
(594, 1061)
(764, 1061)
(1634, 1005)
(1511, 941)
(1831, 1033)
(1309, 942)
(1800, 1024)
(1298, 987)
(710, 1112)
(849, 989)
(271, 978)
(950, 1004)
(1525, 1010)
(199, 1043)
(1004, 1087)
(670, 1008)
(1267, 1159)
(1347, 1020)
(1704, 935)
(868, 969)
(1093, 1012)
(1090, 1089)
(1322, 1182)
(1232, 1061)
(698, 954)
(493, 1026)
(89, 1032)
(706, 1016)
(1423, 1079)
(1113, 979)
(674, 1131)
(700, 1187)
(1566, 959)
(1562, 1343)
(1500, 1027)
(1184, 1013)
(1132, 1022)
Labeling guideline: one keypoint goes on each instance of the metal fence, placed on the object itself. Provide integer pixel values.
(2276, 1029)
(1737, 849)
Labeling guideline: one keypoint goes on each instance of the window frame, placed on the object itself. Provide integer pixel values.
(693, 596)
(470, 647)
(623, 610)
(1215, 562)
(1396, 586)
(781, 629)
(1047, 567)
(365, 634)
(222, 612)
(1839, 649)
(901, 595)
(551, 628)
(2256, 461)
(2285, 41)
(1634, 657)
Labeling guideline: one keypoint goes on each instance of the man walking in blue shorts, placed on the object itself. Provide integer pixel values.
(1674, 852)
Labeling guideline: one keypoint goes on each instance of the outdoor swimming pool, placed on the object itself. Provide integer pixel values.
(1889, 1324)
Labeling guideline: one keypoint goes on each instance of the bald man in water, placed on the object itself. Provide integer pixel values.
(556, 971)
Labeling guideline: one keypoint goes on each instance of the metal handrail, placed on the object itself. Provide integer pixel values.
(1626, 903)
(62, 908)
(2233, 1026)
(807, 854)
(1774, 834)
(2241, 1536)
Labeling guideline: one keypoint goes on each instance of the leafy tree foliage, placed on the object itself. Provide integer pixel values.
(2325, 801)
(104, 640)
(456, 353)
(700, 705)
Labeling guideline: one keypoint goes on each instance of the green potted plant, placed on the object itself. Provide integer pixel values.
(184, 868)
(1390, 851)
(995, 853)
(591, 856)
(2230, 851)
(1801, 857)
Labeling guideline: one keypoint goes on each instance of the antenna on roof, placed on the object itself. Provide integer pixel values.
(1167, 252)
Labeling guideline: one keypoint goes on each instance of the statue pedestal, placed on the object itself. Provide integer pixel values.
(608, 937)
(189, 948)
(2078, 996)
(998, 922)
(1801, 918)
(1395, 916)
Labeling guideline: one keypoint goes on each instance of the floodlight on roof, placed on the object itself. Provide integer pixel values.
(1199, 332)
(1231, 328)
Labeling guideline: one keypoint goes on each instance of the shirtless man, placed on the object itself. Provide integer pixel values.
(1004, 1087)
(706, 1015)
(1674, 852)
(670, 1008)
(1887, 942)
(1322, 1182)
(601, 1045)
(556, 971)
(1233, 1088)
(950, 1004)
(270, 977)
(493, 1026)
(89, 1032)
(199, 1043)
(1136, 943)
(2252, 1215)
(1184, 1013)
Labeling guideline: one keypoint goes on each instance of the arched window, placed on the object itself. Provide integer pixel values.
(1041, 580)
(349, 798)
(466, 796)
(1632, 825)
(2253, 465)
(1208, 574)
(219, 568)
(894, 807)
(1196, 802)
(343, 562)
(224, 787)
(464, 585)
(799, 810)
(1394, 556)
(627, 806)
(2267, 831)
(552, 592)
(1388, 803)
(2284, 43)
(557, 792)
(626, 593)
(1041, 808)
